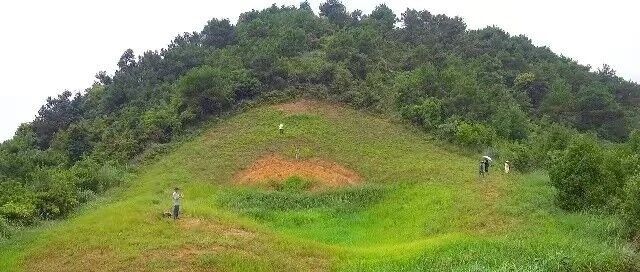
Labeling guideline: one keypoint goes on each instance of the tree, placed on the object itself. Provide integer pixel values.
(304, 5)
(205, 90)
(384, 18)
(218, 33)
(599, 112)
(57, 114)
(127, 60)
(335, 11)
(103, 78)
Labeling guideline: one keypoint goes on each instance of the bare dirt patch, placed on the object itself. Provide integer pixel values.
(323, 173)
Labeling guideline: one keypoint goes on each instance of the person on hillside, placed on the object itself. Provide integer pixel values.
(281, 128)
(486, 166)
(507, 167)
(177, 197)
(481, 169)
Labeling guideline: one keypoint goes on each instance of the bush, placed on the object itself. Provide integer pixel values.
(206, 90)
(85, 196)
(585, 177)
(428, 114)
(520, 156)
(90, 175)
(5, 228)
(56, 194)
(17, 203)
(474, 134)
(631, 207)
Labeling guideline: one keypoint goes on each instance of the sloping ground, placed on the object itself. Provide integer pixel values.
(416, 205)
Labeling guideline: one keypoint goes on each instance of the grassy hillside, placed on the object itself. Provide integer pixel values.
(420, 206)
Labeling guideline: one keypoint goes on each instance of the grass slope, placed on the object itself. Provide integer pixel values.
(422, 207)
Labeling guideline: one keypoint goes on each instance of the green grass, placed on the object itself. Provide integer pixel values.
(421, 207)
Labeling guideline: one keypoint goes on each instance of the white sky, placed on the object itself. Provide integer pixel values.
(49, 46)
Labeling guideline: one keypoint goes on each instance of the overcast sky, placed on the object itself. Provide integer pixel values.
(47, 47)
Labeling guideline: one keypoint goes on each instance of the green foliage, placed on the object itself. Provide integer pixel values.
(586, 177)
(17, 203)
(205, 90)
(425, 207)
(520, 156)
(599, 112)
(474, 134)
(92, 176)
(511, 123)
(5, 228)
(631, 207)
(428, 114)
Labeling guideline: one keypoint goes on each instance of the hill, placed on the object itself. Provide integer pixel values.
(351, 192)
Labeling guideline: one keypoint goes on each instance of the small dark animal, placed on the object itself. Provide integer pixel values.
(166, 214)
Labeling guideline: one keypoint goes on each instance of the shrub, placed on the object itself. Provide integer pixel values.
(585, 176)
(5, 228)
(90, 175)
(520, 156)
(428, 114)
(474, 134)
(85, 196)
(631, 207)
(205, 90)
(17, 203)
(56, 194)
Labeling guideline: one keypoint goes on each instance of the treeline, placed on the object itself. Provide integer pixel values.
(483, 89)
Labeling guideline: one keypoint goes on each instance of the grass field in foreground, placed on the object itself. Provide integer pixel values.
(420, 207)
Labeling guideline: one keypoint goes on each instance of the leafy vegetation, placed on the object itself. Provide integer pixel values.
(484, 90)
(421, 206)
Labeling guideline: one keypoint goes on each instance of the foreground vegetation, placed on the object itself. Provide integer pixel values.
(421, 206)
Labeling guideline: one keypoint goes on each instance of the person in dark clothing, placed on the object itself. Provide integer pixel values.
(481, 168)
(486, 166)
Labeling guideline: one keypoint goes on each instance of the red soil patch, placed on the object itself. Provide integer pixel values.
(276, 168)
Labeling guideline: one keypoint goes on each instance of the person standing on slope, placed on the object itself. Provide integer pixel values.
(507, 167)
(486, 166)
(177, 197)
(281, 128)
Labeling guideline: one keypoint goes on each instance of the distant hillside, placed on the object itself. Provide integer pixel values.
(482, 90)
(357, 193)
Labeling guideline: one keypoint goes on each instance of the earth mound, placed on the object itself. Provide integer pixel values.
(323, 173)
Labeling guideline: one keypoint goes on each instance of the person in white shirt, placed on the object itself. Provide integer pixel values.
(281, 128)
(507, 167)
(177, 197)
